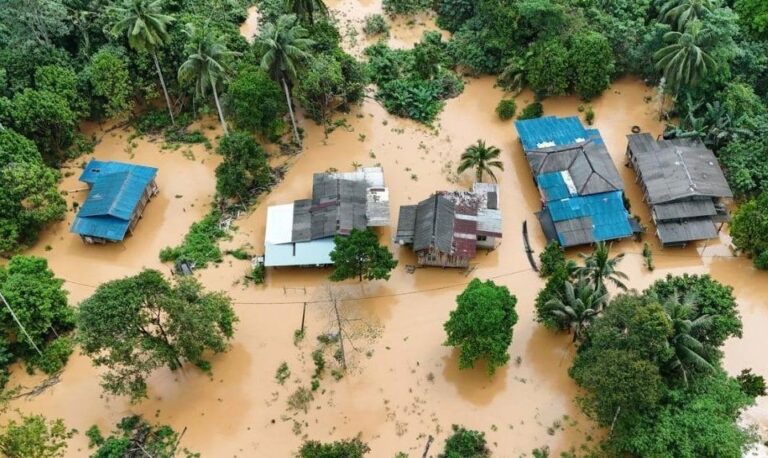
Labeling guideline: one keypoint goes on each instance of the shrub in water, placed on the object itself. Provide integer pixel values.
(506, 109)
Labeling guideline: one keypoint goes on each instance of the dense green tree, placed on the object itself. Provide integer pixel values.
(482, 158)
(244, 170)
(40, 304)
(547, 68)
(749, 226)
(34, 436)
(145, 25)
(306, 10)
(134, 433)
(481, 325)
(752, 384)
(320, 86)
(465, 443)
(135, 325)
(680, 13)
(207, 64)
(60, 80)
(42, 22)
(600, 268)
(578, 305)
(686, 59)
(360, 255)
(110, 83)
(255, 102)
(689, 354)
(708, 297)
(452, 14)
(754, 16)
(283, 46)
(350, 448)
(550, 258)
(591, 58)
(44, 117)
(29, 198)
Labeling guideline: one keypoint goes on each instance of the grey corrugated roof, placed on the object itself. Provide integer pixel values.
(677, 169)
(684, 210)
(489, 222)
(697, 229)
(577, 231)
(589, 165)
(434, 224)
(406, 224)
(302, 221)
(424, 228)
(443, 234)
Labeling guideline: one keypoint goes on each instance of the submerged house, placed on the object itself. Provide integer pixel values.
(582, 195)
(118, 194)
(301, 233)
(683, 184)
(447, 228)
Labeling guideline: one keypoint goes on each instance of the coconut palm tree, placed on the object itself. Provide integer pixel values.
(679, 13)
(577, 307)
(206, 64)
(145, 25)
(285, 46)
(482, 158)
(687, 351)
(600, 267)
(685, 60)
(306, 9)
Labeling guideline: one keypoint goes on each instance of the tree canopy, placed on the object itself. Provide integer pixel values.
(360, 255)
(481, 325)
(135, 325)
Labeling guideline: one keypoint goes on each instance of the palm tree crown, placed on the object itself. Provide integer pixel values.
(206, 64)
(680, 12)
(599, 267)
(306, 9)
(284, 46)
(577, 306)
(688, 352)
(143, 22)
(482, 158)
(685, 60)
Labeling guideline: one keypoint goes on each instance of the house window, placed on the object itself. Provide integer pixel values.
(482, 238)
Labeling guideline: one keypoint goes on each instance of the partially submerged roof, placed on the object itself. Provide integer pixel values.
(580, 185)
(116, 190)
(340, 203)
(677, 169)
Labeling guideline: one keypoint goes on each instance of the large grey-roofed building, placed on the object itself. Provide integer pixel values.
(684, 185)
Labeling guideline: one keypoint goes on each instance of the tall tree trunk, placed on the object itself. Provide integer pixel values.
(162, 84)
(218, 107)
(479, 174)
(290, 110)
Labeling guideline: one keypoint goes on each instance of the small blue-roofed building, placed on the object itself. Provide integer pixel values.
(118, 194)
(582, 194)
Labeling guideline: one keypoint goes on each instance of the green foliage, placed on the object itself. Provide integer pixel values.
(34, 436)
(551, 258)
(256, 103)
(465, 443)
(404, 7)
(749, 227)
(531, 111)
(135, 433)
(110, 83)
(751, 384)
(648, 256)
(547, 68)
(138, 324)
(244, 171)
(506, 109)
(481, 325)
(283, 373)
(375, 24)
(29, 198)
(483, 159)
(350, 448)
(40, 304)
(452, 14)
(591, 58)
(200, 245)
(710, 298)
(325, 85)
(743, 160)
(44, 117)
(753, 15)
(360, 255)
(589, 115)
(761, 261)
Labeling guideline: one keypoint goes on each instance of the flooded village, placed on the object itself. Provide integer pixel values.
(402, 384)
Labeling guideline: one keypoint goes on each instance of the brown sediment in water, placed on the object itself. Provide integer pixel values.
(403, 384)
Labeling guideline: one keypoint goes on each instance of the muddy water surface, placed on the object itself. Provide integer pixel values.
(403, 384)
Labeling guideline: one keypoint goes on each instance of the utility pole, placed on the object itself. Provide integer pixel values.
(23, 329)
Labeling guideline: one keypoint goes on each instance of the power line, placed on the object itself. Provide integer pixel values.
(23, 329)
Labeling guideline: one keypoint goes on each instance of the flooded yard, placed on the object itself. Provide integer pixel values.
(403, 385)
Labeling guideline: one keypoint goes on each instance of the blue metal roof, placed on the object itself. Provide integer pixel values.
(116, 189)
(610, 219)
(312, 253)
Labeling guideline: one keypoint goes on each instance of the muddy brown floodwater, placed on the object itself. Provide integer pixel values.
(403, 384)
